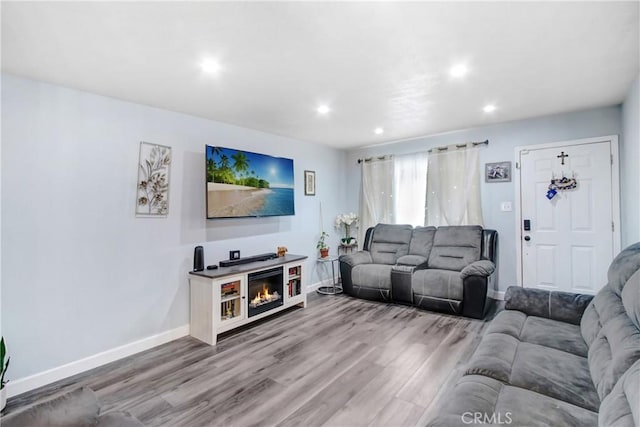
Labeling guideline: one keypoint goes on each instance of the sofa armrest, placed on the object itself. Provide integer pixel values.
(563, 306)
(483, 268)
(477, 279)
(353, 259)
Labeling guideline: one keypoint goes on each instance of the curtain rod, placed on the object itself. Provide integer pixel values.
(389, 156)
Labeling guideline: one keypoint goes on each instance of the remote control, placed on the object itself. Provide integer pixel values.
(212, 267)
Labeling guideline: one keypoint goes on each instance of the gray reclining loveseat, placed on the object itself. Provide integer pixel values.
(445, 269)
(557, 358)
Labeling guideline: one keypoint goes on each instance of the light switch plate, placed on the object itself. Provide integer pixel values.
(506, 207)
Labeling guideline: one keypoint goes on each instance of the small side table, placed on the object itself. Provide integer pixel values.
(346, 249)
(335, 288)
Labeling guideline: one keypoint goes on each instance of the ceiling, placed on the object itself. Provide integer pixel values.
(378, 64)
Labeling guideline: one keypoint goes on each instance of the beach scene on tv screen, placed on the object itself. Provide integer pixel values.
(242, 183)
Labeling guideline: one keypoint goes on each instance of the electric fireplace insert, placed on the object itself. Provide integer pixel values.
(265, 290)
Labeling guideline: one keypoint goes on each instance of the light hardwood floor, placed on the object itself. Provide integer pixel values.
(339, 362)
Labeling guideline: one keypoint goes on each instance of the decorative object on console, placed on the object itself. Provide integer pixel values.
(152, 196)
(3, 370)
(324, 249)
(497, 172)
(282, 251)
(198, 258)
(309, 183)
(246, 184)
(234, 254)
(347, 220)
(247, 260)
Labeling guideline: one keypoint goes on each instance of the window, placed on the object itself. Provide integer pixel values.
(410, 189)
(441, 187)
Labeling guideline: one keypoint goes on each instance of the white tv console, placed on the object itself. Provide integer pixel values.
(220, 300)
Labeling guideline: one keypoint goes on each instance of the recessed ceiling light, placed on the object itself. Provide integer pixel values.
(210, 66)
(378, 131)
(489, 108)
(458, 70)
(323, 109)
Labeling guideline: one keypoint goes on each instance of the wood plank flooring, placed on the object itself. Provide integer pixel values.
(339, 362)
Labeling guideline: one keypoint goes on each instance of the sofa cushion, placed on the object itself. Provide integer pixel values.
(564, 306)
(494, 403)
(411, 260)
(456, 247)
(376, 276)
(422, 241)
(545, 370)
(355, 258)
(610, 324)
(538, 330)
(389, 242)
(615, 349)
(437, 283)
(623, 267)
(621, 408)
(606, 305)
(631, 298)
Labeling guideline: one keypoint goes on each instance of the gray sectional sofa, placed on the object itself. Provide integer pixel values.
(557, 359)
(445, 269)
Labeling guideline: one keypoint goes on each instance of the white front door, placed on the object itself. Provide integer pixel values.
(570, 241)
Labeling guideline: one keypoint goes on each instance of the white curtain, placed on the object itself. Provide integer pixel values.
(453, 186)
(376, 202)
(410, 188)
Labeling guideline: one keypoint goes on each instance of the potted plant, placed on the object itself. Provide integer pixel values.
(347, 220)
(324, 249)
(3, 370)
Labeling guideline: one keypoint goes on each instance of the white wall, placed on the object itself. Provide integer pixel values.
(503, 138)
(629, 166)
(81, 274)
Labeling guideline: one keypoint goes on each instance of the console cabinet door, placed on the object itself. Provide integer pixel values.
(293, 289)
(230, 302)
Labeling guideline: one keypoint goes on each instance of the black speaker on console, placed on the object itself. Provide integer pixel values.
(198, 259)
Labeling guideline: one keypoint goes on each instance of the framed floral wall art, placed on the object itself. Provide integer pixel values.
(154, 165)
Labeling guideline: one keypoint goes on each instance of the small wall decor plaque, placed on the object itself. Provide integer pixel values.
(309, 183)
(152, 195)
(497, 172)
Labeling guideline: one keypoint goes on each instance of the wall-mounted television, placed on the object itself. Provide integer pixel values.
(245, 184)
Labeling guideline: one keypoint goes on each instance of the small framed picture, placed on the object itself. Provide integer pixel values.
(497, 172)
(309, 183)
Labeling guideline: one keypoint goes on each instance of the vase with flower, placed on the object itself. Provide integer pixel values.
(347, 221)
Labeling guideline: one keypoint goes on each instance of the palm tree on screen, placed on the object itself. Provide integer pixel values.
(240, 163)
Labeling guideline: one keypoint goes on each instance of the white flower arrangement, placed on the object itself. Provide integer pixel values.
(347, 220)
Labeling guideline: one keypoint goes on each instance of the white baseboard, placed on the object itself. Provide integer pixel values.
(314, 286)
(499, 295)
(22, 385)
